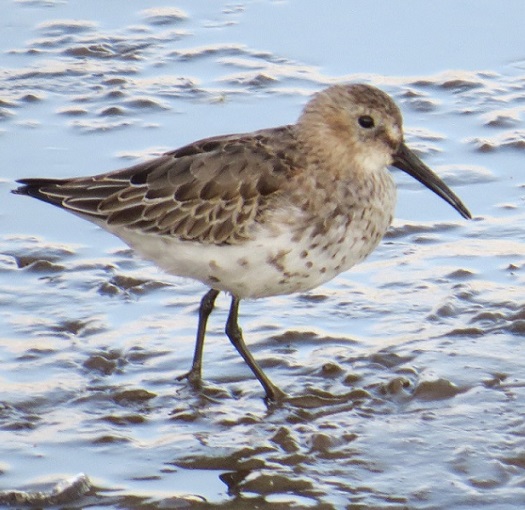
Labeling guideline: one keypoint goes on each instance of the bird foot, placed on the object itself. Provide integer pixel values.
(274, 396)
(193, 376)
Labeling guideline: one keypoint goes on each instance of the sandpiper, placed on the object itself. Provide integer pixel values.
(267, 213)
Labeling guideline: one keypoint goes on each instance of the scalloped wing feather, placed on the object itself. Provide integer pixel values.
(212, 191)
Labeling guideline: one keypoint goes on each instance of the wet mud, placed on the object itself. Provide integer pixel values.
(404, 376)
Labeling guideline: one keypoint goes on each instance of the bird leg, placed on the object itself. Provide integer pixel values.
(234, 333)
(205, 309)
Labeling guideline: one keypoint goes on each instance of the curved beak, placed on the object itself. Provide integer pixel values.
(406, 160)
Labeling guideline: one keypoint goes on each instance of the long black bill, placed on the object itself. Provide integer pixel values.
(406, 160)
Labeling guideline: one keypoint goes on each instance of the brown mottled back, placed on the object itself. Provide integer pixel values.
(210, 191)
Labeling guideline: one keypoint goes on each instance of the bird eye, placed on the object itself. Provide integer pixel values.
(365, 121)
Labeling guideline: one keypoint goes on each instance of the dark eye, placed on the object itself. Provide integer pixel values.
(365, 121)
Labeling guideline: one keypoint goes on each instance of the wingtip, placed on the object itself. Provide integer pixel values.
(24, 188)
(21, 190)
(31, 186)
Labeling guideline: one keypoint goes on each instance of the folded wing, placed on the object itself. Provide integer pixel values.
(211, 191)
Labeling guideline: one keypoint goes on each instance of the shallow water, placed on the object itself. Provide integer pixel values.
(405, 374)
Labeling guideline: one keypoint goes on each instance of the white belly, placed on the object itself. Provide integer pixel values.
(276, 261)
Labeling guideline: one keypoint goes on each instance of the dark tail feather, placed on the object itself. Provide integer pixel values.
(36, 188)
(74, 195)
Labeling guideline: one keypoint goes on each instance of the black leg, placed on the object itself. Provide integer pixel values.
(205, 309)
(235, 335)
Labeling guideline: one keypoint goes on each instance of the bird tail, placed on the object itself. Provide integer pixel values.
(40, 188)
